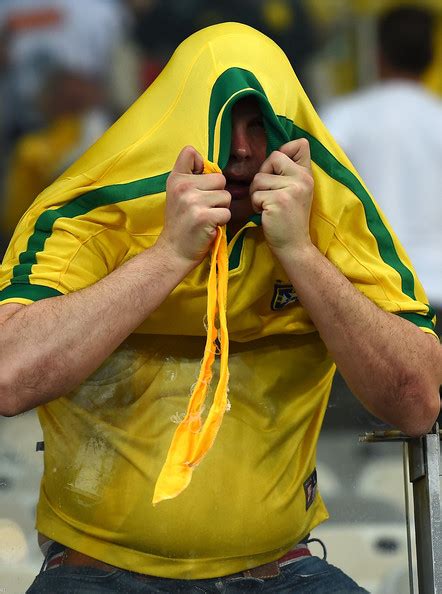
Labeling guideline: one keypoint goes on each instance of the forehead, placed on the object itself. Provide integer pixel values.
(246, 109)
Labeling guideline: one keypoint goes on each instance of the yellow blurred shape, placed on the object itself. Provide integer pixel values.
(278, 14)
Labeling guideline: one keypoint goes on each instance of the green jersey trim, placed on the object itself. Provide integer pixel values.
(231, 85)
(77, 207)
(328, 163)
(418, 319)
(235, 254)
(28, 291)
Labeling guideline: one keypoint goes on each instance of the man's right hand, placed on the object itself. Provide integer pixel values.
(49, 347)
(195, 206)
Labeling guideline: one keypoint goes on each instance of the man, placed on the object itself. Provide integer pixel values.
(392, 132)
(104, 297)
(42, 33)
(73, 105)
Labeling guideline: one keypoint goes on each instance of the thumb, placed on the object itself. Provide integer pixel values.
(189, 161)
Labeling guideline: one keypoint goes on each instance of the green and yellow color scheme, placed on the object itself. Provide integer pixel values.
(106, 442)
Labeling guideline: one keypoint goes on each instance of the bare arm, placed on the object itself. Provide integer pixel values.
(51, 346)
(393, 367)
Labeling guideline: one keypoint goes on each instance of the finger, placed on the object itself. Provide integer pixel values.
(267, 181)
(260, 200)
(298, 151)
(220, 216)
(201, 201)
(216, 199)
(210, 181)
(183, 183)
(189, 161)
(278, 163)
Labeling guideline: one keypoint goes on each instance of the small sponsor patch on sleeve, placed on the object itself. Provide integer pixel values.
(310, 488)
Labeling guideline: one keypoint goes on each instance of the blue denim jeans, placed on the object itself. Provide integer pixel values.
(310, 575)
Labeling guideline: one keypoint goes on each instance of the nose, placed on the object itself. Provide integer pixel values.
(240, 147)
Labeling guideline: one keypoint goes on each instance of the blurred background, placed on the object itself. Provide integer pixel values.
(69, 69)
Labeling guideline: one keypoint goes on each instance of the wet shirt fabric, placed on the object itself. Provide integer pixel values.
(255, 494)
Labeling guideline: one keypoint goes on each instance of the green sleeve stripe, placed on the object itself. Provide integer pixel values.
(279, 130)
(28, 291)
(423, 321)
(328, 163)
(77, 207)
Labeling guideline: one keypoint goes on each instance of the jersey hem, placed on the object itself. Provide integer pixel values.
(164, 567)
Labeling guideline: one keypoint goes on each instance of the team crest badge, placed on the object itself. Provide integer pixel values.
(283, 295)
(310, 488)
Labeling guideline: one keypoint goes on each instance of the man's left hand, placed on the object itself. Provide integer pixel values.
(282, 192)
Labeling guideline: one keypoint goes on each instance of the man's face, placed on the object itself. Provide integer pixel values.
(247, 154)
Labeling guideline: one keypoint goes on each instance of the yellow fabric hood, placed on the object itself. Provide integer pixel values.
(190, 103)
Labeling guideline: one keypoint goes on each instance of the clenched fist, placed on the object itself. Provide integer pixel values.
(195, 205)
(282, 192)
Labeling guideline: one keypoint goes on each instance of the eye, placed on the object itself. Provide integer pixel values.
(257, 122)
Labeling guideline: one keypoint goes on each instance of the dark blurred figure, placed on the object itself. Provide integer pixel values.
(73, 105)
(40, 34)
(160, 26)
(392, 132)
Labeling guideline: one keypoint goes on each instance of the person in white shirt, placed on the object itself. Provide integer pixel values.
(392, 132)
(78, 35)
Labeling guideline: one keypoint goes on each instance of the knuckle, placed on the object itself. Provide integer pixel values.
(307, 180)
(284, 196)
(226, 216)
(281, 196)
(171, 179)
(184, 187)
(304, 142)
(199, 216)
(188, 149)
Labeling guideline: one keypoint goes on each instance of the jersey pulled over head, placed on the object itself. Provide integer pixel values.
(116, 427)
(190, 103)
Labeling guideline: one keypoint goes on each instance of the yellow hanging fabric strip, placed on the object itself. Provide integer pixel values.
(192, 440)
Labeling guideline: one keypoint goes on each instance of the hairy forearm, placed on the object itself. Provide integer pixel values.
(393, 367)
(51, 346)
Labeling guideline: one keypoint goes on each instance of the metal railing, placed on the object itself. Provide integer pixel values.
(422, 470)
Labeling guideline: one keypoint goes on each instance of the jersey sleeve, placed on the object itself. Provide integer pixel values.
(367, 251)
(51, 255)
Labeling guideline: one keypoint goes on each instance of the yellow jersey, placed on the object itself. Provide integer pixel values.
(255, 494)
